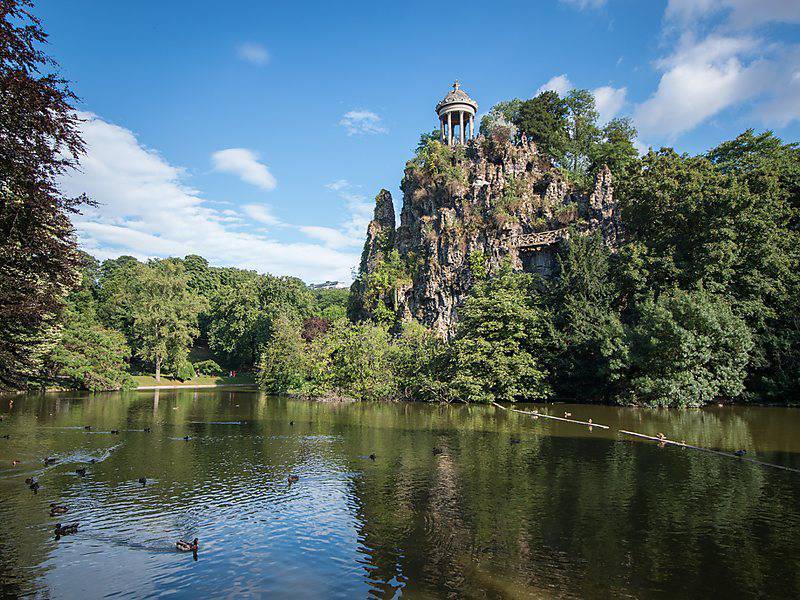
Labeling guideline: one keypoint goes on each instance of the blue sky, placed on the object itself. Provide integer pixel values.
(257, 133)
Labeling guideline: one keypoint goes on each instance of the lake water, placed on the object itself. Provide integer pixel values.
(506, 507)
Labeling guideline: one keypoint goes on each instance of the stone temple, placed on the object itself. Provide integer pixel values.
(495, 197)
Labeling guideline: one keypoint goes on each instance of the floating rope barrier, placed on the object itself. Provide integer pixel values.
(653, 438)
(709, 450)
(546, 416)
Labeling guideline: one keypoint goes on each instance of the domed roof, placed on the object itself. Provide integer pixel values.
(456, 96)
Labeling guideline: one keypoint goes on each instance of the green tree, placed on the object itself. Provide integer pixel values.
(585, 332)
(39, 141)
(282, 365)
(499, 335)
(244, 309)
(164, 314)
(89, 356)
(543, 119)
(615, 148)
(582, 134)
(687, 349)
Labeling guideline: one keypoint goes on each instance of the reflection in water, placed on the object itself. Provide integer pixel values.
(563, 513)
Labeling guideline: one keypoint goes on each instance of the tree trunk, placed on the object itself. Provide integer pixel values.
(158, 369)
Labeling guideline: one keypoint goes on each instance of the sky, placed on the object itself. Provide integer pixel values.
(257, 134)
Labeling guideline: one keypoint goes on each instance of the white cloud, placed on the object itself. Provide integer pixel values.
(359, 210)
(703, 77)
(583, 4)
(147, 210)
(244, 163)
(253, 53)
(358, 122)
(261, 213)
(329, 236)
(559, 84)
(609, 101)
(739, 14)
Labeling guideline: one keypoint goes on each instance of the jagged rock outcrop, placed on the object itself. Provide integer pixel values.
(380, 241)
(490, 202)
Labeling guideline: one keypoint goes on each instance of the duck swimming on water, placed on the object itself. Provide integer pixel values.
(81, 471)
(184, 546)
(293, 479)
(57, 509)
(66, 529)
(740, 453)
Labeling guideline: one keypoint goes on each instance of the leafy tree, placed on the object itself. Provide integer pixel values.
(585, 331)
(582, 134)
(164, 315)
(543, 119)
(281, 367)
(687, 349)
(615, 148)
(331, 303)
(116, 294)
(501, 119)
(382, 287)
(89, 356)
(498, 337)
(39, 141)
(244, 309)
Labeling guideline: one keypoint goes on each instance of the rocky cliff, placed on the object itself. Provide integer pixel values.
(485, 203)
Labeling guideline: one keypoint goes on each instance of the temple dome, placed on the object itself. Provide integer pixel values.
(456, 96)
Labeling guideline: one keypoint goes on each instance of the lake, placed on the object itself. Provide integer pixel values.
(459, 501)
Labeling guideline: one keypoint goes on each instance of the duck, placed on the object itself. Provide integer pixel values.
(115, 431)
(661, 436)
(740, 453)
(57, 509)
(87, 427)
(14, 462)
(6, 437)
(146, 430)
(186, 438)
(567, 414)
(291, 423)
(515, 440)
(437, 451)
(81, 471)
(66, 529)
(293, 479)
(372, 456)
(34, 485)
(49, 460)
(143, 480)
(184, 546)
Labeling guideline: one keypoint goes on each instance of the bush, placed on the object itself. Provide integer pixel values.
(208, 367)
(184, 370)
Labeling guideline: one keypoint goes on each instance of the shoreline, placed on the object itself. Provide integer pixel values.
(192, 386)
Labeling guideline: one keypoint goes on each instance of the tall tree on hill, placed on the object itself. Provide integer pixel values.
(543, 119)
(39, 140)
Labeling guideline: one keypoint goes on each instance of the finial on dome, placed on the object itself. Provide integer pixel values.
(456, 85)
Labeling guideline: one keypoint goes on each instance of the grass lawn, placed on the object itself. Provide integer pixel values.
(149, 380)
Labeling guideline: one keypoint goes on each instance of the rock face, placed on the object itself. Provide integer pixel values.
(487, 203)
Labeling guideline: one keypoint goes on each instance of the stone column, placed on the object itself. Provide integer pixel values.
(461, 132)
(449, 129)
(472, 127)
(441, 129)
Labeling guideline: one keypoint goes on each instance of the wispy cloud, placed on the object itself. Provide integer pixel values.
(584, 4)
(253, 53)
(609, 101)
(261, 213)
(146, 209)
(244, 164)
(360, 122)
(720, 61)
